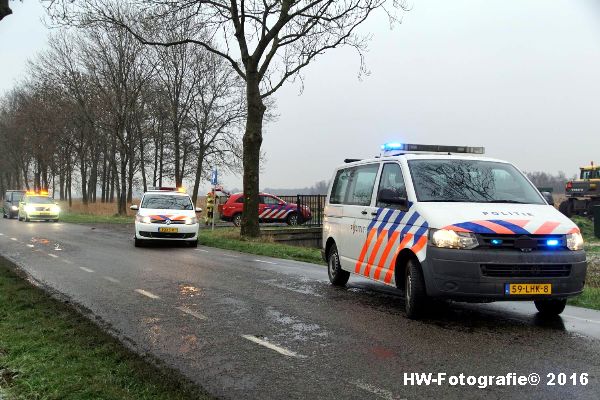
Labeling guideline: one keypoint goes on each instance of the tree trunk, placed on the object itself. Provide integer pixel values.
(199, 165)
(252, 141)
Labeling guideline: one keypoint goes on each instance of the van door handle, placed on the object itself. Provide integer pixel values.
(363, 212)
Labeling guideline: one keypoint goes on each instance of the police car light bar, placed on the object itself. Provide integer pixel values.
(396, 148)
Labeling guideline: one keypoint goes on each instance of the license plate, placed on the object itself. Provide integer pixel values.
(168, 230)
(527, 288)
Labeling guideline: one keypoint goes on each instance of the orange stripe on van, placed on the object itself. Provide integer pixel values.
(574, 230)
(456, 228)
(420, 244)
(392, 267)
(375, 250)
(493, 226)
(386, 253)
(364, 250)
(546, 228)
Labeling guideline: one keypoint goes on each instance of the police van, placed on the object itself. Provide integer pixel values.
(446, 222)
(166, 214)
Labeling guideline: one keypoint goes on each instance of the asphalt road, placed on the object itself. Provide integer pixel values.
(246, 326)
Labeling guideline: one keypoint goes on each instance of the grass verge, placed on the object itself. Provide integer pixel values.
(80, 218)
(49, 351)
(229, 238)
(590, 298)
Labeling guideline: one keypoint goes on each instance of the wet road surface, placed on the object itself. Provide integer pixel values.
(246, 326)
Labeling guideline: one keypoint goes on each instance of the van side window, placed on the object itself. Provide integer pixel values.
(340, 186)
(362, 182)
(391, 184)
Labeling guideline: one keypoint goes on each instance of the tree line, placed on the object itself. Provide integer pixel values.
(100, 114)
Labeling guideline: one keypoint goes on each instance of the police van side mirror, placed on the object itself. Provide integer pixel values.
(387, 197)
(198, 210)
(548, 197)
(134, 207)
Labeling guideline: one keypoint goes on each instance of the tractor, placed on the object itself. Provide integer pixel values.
(582, 193)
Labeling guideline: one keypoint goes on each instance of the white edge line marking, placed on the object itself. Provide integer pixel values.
(1, 234)
(266, 262)
(111, 279)
(190, 312)
(205, 251)
(581, 319)
(147, 294)
(86, 269)
(271, 346)
(68, 261)
(53, 255)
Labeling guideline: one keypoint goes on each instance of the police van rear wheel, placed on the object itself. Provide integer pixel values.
(237, 219)
(337, 276)
(550, 307)
(415, 294)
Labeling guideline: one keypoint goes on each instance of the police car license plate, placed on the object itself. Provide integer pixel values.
(168, 230)
(527, 288)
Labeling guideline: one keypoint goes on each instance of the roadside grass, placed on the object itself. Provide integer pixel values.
(230, 239)
(78, 218)
(49, 351)
(590, 298)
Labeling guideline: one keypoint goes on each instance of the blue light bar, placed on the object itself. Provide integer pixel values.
(496, 242)
(552, 242)
(395, 148)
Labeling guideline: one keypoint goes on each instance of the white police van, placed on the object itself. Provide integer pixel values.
(437, 221)
(166, 213)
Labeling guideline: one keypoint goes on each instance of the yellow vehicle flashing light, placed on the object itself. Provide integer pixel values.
(181, 190)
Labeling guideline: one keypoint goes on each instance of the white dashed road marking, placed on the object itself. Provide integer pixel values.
(205, 251)
(266, 262)
(271, 346)
(52, 255)
(111, 279)
(15, 239)
(29, 245)
(86, 269)
(581, 319)
(147, 294)
(381, 393)
(190, 312)
(68, 261)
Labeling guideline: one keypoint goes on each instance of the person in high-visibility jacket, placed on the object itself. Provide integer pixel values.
(210, 207)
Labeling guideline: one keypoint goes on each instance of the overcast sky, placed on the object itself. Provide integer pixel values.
(520, 77)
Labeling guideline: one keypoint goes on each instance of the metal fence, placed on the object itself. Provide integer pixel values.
(314, 202)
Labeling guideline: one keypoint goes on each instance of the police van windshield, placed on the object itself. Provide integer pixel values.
(471, 181)
(40, 200)
(167, 202)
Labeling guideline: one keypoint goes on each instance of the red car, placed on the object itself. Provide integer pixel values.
(270, 209)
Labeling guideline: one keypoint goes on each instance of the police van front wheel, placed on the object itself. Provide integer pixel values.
(337, 276)
(415, 294)
(550, 307)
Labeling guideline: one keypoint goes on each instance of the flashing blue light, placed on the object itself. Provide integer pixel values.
(392, 146)
(496, 242)
(552, 242)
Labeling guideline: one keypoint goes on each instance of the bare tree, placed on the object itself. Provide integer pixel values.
(265, 42)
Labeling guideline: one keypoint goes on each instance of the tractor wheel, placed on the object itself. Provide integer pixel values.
(566, 207)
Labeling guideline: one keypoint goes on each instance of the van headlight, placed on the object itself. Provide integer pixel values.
(29, 209)
(191, 220)
(144, 219)
(448, 239)
(14, 208)
(575, 241)
(55, 209)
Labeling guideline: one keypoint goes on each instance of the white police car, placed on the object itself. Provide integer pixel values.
(437, 223)
(166, 213)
